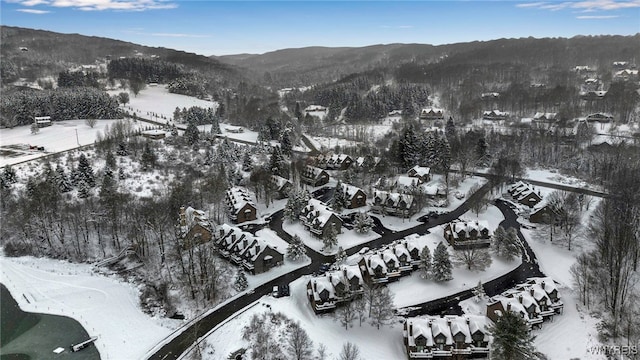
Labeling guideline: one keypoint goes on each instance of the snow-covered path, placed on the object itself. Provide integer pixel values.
(105, 307)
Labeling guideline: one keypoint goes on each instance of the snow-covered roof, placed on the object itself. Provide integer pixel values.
(478, 323)
(352, 271)
(406, 181)
(458, 324)
(393, 199)
(510, 304)
(440, 326)
(545, 116)
(421, 170)
(458, 226)
(320, 284)
(547, 283)
(194, 217)
(238, 197)
(375, 261)
(350, 191)
(279, 181)
(419, 327)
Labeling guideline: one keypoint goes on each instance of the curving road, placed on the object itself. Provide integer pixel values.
(529, 268)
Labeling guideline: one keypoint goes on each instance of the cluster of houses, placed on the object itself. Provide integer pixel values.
(537, 300)
(240, 205)
(540, 210)
(244, 249)
(374, 267)
(494, 115)
(240, 247)
(447, 337)
(461, 234)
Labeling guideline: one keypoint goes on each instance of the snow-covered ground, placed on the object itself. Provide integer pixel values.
(104, 306)
(60, 136)
(347, 239)
(398, 224)
(388, 343)
(158, 104)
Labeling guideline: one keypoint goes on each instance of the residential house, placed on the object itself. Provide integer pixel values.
(467, 234)
(362, 162)
(593, 95)
(600, 117)
(489, 95)
(155, 134)
(536, 300)
(244, 249)
(282, 186)
(314, 176)
(318, 218)
(195, 227)
(432, 114)
(325, 292)
(354, 196)
(494, 115)
(543, 212)
(405, 184)
(338, 162)
(525, 194)
(240, 206)
(42, 121)
(448, 337)
(392, 203)
(626, 74)
(421, 172)
(545, 118)
(373, 268)
(321, 294)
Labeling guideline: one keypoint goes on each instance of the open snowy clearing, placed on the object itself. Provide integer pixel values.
(104, 306)
(60, 136)
(321, 329)
(158, 104)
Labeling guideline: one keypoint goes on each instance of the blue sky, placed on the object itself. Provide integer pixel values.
(233, 27)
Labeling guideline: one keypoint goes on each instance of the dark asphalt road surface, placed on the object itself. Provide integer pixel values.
(529, 268)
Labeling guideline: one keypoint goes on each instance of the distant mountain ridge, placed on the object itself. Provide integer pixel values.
(27, 47)
(323, 63)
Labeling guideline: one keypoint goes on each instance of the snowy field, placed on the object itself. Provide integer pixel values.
(104, 306)
(158, 104)
(61, 136)
(321, 329)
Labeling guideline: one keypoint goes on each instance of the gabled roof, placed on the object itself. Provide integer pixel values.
(238, 198)
(320, 284)
(351, 191)
(279, 181)
(421, 170)
(394, 198)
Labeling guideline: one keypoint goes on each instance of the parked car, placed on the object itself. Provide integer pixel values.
(280, 291)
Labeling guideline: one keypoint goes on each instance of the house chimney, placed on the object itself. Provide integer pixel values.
(531, 291)
(468, 321)
(411, 329)
(520, 298)
(430, 323)
(509, 306)
(257, 249)
(233, 237)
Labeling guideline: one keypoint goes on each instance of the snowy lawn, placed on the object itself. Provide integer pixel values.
(323, 329)
(272, 238)
(413, 289)
(553, 177)
(106, 307)
(347, 239)
(60, 136)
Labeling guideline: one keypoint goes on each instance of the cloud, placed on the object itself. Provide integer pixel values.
(33, 11)
(102, 5)
(587, 17)
(584, 5)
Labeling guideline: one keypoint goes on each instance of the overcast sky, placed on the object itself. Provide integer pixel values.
(233, 27)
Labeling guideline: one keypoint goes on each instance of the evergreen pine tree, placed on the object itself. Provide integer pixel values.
(441, 269)
(512, 339)
(338, 197)
(108, 187)
(285, 142)
(121, 174)
(425, 262)
(110, 160)
(247, 162)
(296, 249)
(499, 239)
(9, 175)
(330, 238)
(63, 182)
(86, 171)
(122, 149)
(149, 158)
(363, 222)
(192, 134)
(277, 165)
(241, 283)
(83, 189)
